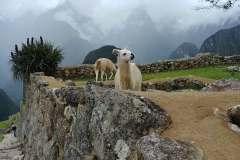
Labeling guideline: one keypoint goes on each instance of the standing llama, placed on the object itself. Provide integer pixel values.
(106, 66)
(128, 75)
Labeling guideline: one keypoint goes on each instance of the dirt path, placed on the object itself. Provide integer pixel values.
(10, 148)
(193, 120)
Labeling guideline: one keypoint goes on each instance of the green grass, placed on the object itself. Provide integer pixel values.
(79, 79)
(211, 72)
(3, 124)
(1, 137)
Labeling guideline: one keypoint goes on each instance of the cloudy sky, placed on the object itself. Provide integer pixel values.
(171, 15)
(107, 13)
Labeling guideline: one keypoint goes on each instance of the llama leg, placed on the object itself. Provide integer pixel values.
(106, 76)
(102, 73)
(111, 76)
(96, 72)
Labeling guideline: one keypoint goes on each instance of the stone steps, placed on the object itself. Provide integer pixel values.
(10, 148)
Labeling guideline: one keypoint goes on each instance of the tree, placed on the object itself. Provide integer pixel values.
(37, 56)
(219, 4)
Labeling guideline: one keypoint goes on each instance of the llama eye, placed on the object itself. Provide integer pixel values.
(124, 54)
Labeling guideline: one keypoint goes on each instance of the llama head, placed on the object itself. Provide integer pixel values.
(124, 54)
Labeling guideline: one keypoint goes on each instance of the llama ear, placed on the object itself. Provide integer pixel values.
(128, 45)
(115, 51)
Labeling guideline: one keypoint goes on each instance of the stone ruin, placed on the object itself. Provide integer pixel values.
(232, 117)
(94, 122)
(223, 85)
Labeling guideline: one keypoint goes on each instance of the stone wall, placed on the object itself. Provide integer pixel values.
(206, 59)
(166, 85)
(174, 84)
(69, 122)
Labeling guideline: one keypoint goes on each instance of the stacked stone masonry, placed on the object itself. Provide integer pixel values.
(204, 59)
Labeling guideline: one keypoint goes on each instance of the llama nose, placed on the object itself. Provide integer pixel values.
(132, 56)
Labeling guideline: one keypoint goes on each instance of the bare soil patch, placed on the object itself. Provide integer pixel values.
(193, 120)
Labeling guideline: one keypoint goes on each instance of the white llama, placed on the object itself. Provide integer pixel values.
(128, 75)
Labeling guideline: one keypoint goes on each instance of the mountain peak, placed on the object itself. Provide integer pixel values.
(138, 14)
(225, 42)
(186, 49)
(64, 6)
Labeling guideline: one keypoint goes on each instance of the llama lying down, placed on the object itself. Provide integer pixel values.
(128, 75)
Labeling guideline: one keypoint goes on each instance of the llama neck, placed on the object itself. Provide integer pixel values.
(124, 68)
(125, 74)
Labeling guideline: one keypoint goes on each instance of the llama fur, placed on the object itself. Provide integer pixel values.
(128, 75)
(106, 66)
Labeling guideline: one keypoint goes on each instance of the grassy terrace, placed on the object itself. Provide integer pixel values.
(211, 72)
(3, 124)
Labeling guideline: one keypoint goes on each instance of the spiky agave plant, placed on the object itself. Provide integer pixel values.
(37, 56)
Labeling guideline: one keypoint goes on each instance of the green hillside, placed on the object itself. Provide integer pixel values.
(14, 90)
(223, 43)
(7, 106)
(185, 49)
(103, 52)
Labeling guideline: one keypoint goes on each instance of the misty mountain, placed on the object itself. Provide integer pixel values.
(78, 35)
(152, 44)
(184, 50)
(197, 34)
(7, 106)
(102, 52)
(82, 24)
(50, 29)
(224, 42)
(3, 70)
(75, 50)
(15, 32)
(14, 90)
(148, 44)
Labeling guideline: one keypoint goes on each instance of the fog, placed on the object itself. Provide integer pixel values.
(97, 21)
(106, 13)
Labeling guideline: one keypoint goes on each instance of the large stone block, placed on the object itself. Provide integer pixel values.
(153, 147)
(119, 119)
(234, 114)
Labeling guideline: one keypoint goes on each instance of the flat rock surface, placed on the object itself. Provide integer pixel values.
(10, 148)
